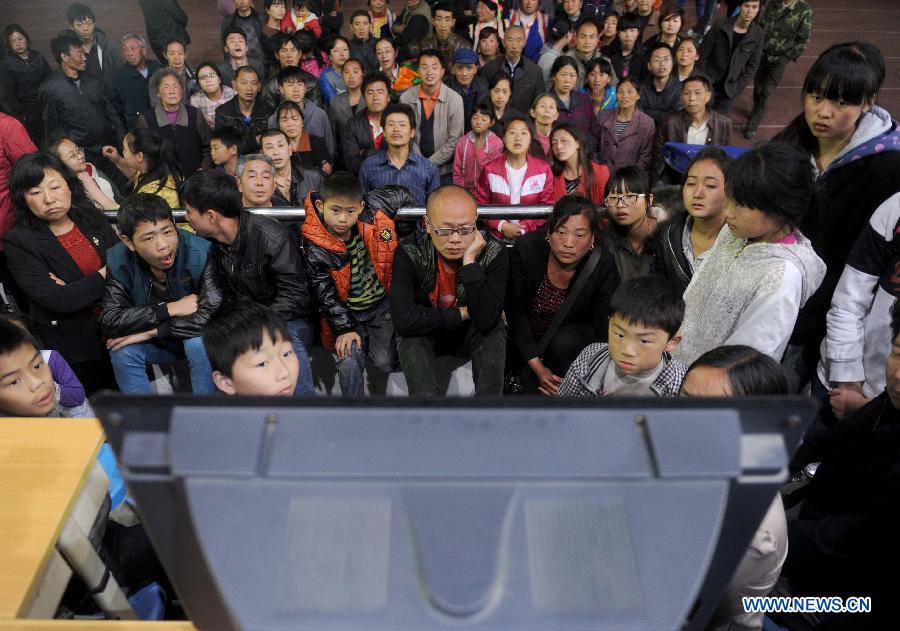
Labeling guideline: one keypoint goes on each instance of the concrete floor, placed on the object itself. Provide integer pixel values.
(834, 21)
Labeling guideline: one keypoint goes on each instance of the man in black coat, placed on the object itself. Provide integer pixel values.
(103, 55)
(252, 258)
(165, 20)
(129, 88)
(74, 102)
(246, 112)
(527, 77)
(731, 53)
(362, 136)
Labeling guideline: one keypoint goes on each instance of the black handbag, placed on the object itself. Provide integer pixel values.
(522, 381)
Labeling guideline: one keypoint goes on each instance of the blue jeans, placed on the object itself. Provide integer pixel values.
(130, 365)
(302, 332)
(376, 329)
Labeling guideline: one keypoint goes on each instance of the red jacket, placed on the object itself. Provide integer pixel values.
(14, 143)
(598, 190)
(493, 188)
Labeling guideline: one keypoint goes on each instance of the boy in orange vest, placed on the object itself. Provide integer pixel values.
(349, 243)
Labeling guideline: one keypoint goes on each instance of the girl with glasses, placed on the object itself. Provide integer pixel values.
(632, 221)
(212, 92)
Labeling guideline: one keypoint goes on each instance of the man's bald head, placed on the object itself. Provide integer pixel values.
(451, 206)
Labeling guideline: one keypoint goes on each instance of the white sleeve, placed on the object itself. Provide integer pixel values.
(767, 322)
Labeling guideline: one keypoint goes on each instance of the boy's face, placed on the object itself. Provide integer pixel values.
(636, 347)
(360, 26)
(277, 148)
(26, 387)
(270, 370)
(293, 90)
(339, 215)
(235, 45)
(155, 242)
(220, 152)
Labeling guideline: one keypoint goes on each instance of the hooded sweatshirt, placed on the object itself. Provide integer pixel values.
(850, 191)
(748, 294)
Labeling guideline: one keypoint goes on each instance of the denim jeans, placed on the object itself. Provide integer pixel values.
(705, 11)
(302, 332)
(130, 364)
(379, 344)
(486, 350)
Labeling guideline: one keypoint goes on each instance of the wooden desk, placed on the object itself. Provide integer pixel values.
(43, 466)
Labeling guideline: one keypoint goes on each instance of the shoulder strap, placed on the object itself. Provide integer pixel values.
(566, 306)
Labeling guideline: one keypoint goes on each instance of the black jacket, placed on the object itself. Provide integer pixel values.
(129, 91)
(262, 265)
(733, 71)
(320, 262)
(63, 315)
(482, 282)
(105, 61)
(165, 20)
(669, 259)
(365, 52)
(126, 305)
(849, 520)
(252, 27)
(478, 94)
(25, 77)
(83, 112)
(357, 143)
(527, 269)
(304, 180)
(634, 68)
(528, 83)
(230, 114)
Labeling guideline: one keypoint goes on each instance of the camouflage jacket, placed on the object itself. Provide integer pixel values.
(787, 29)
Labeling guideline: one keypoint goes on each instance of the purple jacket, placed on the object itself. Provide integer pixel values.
(580, 113)
(634, 147)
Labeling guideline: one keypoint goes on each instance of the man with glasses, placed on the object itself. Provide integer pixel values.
(103, 57)
(660, 90)
(447, 296)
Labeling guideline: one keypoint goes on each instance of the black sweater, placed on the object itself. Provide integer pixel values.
(528, 266)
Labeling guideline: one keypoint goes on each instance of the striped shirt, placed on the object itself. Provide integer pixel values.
(418, 174)
(365, 289)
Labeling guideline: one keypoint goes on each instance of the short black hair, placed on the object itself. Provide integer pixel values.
(659, 46)
(139, 208)
(212, 190)
(431, 52)
(291, 72)
(273, 132)
(572, 206)
(375, 77)
(750, 372)
(233, 30)
(63, 43)
(237, 328)
(629, 178)
(355, 60)
(399, 108)
(359, 13)
(341, 184)
(228, 136)
(775, 178)
(851, 72)
(603, 63)
(590, 22)
(245, 70)
(285, 106)
(79, 11)
(483, 107)
(280, 40)
(561, 62)
(14, 335)
(175, 40)
(628, 21)
(701, 78)
(651, 301)
(443, 5)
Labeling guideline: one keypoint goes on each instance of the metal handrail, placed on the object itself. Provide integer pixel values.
(292, 213)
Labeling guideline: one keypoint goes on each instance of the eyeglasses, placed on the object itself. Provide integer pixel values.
(446, 232)
(627, 198)
(208, 75)
(78, 153)
(659, 60)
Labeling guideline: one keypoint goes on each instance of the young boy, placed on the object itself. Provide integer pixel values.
(225, 149)
(157, 296)
(251, 351)
(645, 315)
(349, 243)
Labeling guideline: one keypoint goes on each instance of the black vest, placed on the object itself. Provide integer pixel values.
(426, 132)
(186, 140)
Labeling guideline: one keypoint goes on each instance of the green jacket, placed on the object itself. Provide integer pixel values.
(787, 29)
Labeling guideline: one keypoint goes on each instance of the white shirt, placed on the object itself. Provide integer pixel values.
(516, 178)
(697, 135)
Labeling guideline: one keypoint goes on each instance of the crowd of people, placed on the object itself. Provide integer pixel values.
(765, 271)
